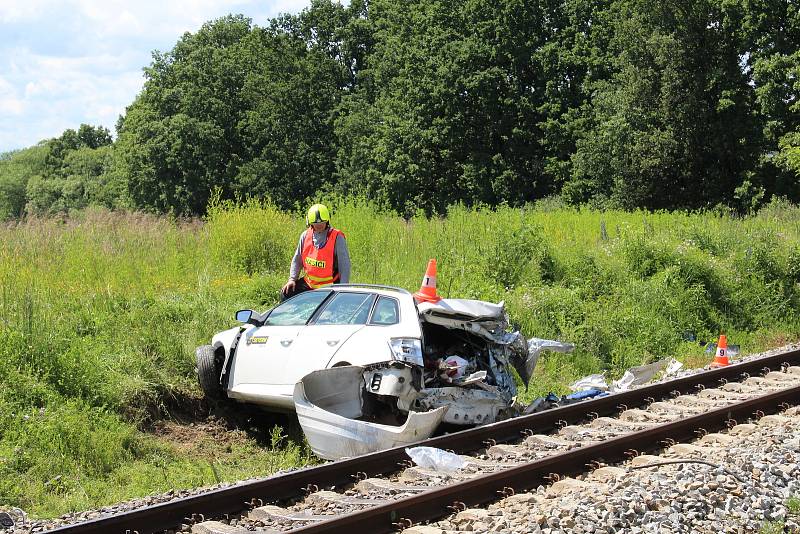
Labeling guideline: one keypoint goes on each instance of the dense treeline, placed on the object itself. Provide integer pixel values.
(423, 104)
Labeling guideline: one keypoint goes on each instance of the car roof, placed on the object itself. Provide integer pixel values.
(372, 288)
(464, 309)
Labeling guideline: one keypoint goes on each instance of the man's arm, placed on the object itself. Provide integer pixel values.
(294, 267)
(297, 262)
(342, 259)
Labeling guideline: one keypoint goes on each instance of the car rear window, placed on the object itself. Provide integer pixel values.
(346, 308)
(386, 312)
(297, 310)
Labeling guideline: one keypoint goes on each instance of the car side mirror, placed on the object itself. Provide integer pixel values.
(244, 316)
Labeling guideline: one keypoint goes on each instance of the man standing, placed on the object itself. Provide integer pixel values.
(321, 252)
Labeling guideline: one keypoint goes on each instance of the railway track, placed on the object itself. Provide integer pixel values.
(383, 492)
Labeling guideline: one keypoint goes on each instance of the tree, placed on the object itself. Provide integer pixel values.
(450, 104)
(291, 97)
(771, 33)
(16, 170)
(180, 139)
(673, 127)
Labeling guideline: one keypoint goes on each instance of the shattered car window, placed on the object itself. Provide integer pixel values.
(347, 308)
(297, 310)
(386, 312)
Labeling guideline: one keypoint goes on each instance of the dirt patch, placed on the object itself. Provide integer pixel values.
(199, 436)
(194, 425)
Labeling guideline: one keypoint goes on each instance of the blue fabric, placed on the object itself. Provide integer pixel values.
(586, 394)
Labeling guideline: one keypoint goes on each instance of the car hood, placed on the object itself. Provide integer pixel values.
(487, 320)
(463, 309)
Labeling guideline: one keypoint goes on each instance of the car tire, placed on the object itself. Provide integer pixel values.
(208, 371)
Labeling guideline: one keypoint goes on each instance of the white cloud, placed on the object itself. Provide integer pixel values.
(65, 63)
(12, 11)
(10, 104)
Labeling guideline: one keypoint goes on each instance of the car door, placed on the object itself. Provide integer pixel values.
(263, 352)
(391, 332)
(344, 314)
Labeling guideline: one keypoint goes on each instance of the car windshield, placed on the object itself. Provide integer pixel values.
(346, 308)
(297, 310)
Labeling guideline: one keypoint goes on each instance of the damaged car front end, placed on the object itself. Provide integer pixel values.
(459, 374)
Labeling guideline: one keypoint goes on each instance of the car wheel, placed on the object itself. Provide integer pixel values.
(208, 371)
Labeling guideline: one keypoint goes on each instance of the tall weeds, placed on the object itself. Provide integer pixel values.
(100, 314)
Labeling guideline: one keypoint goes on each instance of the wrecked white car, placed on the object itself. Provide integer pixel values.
(370, 366)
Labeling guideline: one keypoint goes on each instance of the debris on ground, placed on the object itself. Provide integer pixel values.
(436, 459)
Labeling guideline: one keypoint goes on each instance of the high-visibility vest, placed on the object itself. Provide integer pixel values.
(318, 262)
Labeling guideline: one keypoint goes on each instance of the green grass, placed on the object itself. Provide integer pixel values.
(777, 527)
(100, 315)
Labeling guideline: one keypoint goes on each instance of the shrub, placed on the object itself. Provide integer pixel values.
(251, 237)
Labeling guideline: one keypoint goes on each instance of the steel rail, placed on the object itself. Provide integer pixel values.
(438, 503)
(233, 499)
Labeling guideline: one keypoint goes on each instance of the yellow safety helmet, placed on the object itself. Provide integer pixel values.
(318, 213)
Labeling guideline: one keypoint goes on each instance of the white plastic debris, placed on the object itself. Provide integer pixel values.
(453, 367)
(624, 383)
(635, 376)
(433, 458)
(597, 381)
(673, 366)
(538, 345)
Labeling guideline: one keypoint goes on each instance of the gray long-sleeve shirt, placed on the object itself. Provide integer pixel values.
(341, 256)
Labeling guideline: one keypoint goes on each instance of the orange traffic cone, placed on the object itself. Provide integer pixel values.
(721, 359)
(427, 291)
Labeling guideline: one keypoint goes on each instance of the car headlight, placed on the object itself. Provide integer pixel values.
(407, 349)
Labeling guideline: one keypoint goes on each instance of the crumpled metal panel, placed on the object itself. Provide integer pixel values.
(328, 403)
(467, 406)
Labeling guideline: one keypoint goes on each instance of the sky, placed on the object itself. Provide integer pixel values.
(64, 63)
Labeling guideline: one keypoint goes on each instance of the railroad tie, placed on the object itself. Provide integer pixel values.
(644, 459)
(673, 408)
(717, 393)
(610, 422)
(340, 498)
(718, 438)
(754, 388)
(503, 450)
(429, 529)
(216, 527)
(387, 486)
(779, 382)
(485, 464)
(472, 514)
(774, 420)
(472, 520)
(271, 513)
(789, 377)
(568, 485)
(637, 416)
(691, 450)
(549, 442)
(571, 431)
(416, 473)
(745, 429)
(606, 474)
(693, 400)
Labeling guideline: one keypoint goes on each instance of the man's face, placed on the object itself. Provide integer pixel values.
(319, 226)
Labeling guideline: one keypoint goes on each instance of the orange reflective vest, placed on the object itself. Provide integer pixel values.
(318, 262)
